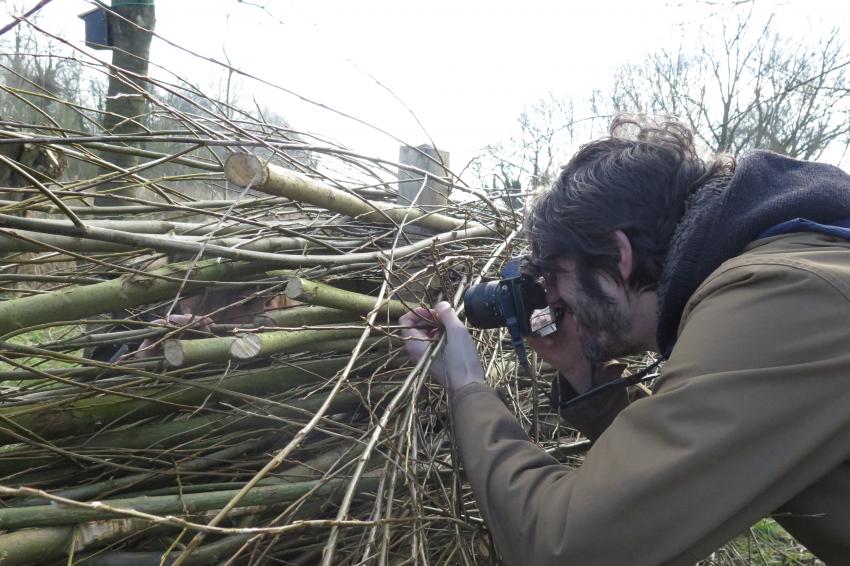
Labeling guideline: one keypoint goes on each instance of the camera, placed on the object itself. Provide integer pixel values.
(518, 303)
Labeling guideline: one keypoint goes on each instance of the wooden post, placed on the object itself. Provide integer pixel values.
(424, 191)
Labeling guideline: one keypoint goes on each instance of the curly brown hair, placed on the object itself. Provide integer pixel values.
(637, 179)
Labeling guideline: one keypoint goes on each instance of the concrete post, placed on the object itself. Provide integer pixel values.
(429, 195)
(413, 187)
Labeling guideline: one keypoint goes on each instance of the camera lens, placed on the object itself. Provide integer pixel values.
(482, 306)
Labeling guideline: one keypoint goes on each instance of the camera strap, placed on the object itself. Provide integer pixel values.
(509, 312)
(645, 374)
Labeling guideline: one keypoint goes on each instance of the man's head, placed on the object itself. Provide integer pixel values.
(636, 180)
(609, 320)
(602, 231)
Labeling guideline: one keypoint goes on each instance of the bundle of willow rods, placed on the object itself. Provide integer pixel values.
(302, 436)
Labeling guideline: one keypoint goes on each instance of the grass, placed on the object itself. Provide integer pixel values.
(39, 338)
(765, 544)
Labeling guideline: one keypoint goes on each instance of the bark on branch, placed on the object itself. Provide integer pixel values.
(246, 169)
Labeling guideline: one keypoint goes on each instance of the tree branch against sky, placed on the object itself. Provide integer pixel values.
(457, 89)
(29, 13)
(529, 159)
(734, 77)
(754, 88)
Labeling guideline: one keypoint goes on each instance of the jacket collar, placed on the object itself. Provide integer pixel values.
(730, 211)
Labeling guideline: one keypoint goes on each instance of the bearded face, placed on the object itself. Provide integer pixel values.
(598, 306)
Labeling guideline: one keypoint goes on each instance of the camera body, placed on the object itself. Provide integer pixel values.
(511, 302)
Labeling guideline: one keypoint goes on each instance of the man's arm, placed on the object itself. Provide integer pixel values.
(751, 410)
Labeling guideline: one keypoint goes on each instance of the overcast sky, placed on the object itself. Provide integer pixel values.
(464, 68)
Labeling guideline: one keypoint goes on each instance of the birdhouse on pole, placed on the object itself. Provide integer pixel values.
(98, 34)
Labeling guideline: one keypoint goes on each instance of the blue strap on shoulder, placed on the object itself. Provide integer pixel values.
(838, 228)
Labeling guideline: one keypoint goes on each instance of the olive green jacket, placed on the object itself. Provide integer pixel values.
(750, 417)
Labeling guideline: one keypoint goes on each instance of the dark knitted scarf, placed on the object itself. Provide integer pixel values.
(729, 212)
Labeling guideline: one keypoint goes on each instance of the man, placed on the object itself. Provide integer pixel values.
(645, 246)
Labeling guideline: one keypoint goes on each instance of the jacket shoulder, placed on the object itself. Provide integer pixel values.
(799, 263)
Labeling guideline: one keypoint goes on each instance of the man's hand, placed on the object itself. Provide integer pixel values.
(458, 363)
(563, 350)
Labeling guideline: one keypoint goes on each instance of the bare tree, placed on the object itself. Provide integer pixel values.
(530, 158)
(34, 74)
(746, 86)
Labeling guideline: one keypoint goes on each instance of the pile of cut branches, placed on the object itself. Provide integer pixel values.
(302, 436)
(140, 425)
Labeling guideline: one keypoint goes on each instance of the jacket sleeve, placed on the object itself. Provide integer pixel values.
(751, 409)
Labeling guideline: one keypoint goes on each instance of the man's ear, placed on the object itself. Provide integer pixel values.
(626, 264)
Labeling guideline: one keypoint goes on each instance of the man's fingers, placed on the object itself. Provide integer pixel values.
(420, 317)
(420, 326)
(415, 349)
(448, 317)
(405, 322)
(415, 334)
(408, 319)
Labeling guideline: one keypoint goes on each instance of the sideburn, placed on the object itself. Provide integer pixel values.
(602, 327)
(589, 284)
